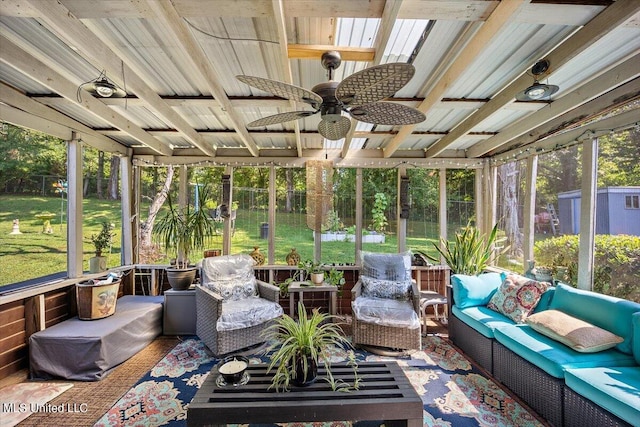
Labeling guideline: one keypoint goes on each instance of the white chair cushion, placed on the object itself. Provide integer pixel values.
(386, 312)
(245, 313)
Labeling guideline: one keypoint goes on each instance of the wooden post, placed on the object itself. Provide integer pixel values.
(401, 224)
(358, 214)
(272, 215)
(74, 207)
(226, 235)
(129, 217)
(442, 208)
(588, 213)
(479, 200)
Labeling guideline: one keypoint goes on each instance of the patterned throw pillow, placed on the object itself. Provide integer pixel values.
(386, 266)
(517, 297)
(387, 289)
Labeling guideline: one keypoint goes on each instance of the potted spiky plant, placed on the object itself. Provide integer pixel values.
(298, 346)
(183, 231)
(471, 252)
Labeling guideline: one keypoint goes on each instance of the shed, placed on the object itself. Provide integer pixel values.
(617, 211)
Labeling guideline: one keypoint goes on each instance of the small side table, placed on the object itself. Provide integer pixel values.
(179, 317)
(431, 299)
(297, 288)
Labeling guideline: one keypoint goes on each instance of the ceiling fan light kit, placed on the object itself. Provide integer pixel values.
(538, 90)
(357, 96)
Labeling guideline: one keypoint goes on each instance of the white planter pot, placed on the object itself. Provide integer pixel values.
(97, 264)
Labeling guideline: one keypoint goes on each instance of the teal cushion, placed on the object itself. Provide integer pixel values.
(552, 356)
(614, 389)
(471, 291)
(481, 319)
(635, 321)
(545, 300)
(610, 313)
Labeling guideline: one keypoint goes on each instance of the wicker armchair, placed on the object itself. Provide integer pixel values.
(386, 318)
(232, 307)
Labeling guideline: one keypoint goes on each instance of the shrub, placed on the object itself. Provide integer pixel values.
(616, 269)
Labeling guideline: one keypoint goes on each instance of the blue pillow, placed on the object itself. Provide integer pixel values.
(472, 291)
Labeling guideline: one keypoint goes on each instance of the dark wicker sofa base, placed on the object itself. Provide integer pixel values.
(541, 391)
(580, 411)
(471, 342)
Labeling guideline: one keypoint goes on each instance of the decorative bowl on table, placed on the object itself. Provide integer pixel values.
(232, 369)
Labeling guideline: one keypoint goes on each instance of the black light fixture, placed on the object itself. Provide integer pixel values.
(538, 90)
(103, 88)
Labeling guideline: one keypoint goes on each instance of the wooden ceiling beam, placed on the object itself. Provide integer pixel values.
(56, 16)
(347, 53)
(614, 99)
(619, 75)
(499, 18)
(278, 16)
(41, 73)
(173, 22)
(609, 19)
(37, 110)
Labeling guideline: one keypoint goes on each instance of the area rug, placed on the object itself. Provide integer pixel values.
(454, 392)
(21, 400)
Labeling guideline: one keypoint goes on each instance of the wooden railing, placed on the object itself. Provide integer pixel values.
(29, 310)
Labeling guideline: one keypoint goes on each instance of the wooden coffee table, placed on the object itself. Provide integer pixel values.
(385, 394)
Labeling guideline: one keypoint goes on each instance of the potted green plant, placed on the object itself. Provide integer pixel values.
(182, 231)
(101, 241)
(311, 270)
(298, 345)
(471, 252)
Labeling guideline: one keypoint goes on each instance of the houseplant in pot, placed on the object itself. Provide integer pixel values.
(297, 347)
(471, 252)
(183, 231)
(101, 241)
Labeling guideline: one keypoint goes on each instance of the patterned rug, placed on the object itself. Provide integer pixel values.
(18, 401)
(454, 392)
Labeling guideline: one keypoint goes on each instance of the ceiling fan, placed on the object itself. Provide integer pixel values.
(357, 95)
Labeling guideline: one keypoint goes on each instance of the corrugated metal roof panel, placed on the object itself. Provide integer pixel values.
(442, 35)
(17, 79)
(514, 49)
(610, 49)
(500, 119)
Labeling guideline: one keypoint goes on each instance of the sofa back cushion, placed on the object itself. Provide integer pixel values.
(607, 312)
(635, 320)
(472, 291)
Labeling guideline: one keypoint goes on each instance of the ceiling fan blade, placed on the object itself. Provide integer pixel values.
(283, 90)
(280, 118)
(334, 129)
(374, 83)
(387, 113)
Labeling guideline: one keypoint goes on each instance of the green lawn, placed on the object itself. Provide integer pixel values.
(34, 254)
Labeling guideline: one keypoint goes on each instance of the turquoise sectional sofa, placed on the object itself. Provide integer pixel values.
(565, 386)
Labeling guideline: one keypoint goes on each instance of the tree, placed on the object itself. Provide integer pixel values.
(114, 178)
(146, 228)
(508, 174)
